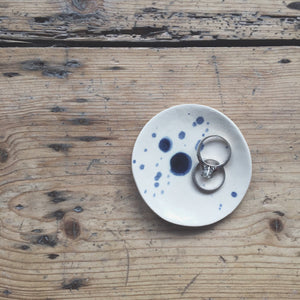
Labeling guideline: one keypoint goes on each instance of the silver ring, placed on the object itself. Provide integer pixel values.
(211, 165)
(208, 184)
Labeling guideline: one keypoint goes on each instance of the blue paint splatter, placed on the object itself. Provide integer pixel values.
(199, 120)
(168, 182)
(156, 184)
(220, 206)
(162, 192)
(161, 158)
(157, 176)
(189, 113)
(206, 130)
(194, 124)
(145, 150)
(168, 176)
(181, 135)
(180, 163)
(233, 194)
(145, 191)
(134, 161)
(156, 165)
(165, 144)
(154, 195)
(207, 123)
(203, 134)
(153, 134)
(197, 144)
(142, 167)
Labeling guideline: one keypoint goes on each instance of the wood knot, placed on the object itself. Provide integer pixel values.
(276, 225)
(72, 229)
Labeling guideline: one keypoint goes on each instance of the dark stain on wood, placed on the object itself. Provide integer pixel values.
(294, 5)
(56, 197)
(33, 65)
(81, 121)
(78, 209)
(284, 61)
(73, 64)
(80, 4)
(222, 259)
(24, 247)
(58, 215)
(56, 72)
(57, 109)
(53, 256)
(3, 155)
(42, 20)
(60, 147)
(81, 100)
(7, 293)
(72, 229)
(276, 225)
(11, 74)
(74, 284)
(115, 68)
(279, 213)
(46, 240)
(19, 207)
(92, 138)
(150, 10)
(37, 230)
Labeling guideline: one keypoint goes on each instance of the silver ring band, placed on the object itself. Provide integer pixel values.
(210, 164)
(208, 184)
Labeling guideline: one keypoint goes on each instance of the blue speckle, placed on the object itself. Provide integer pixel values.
(162, 192)
(168, 176)
(142, 167)
(165, 144)
(181, 135)
(156, 184)
(157, 164)
(203, 134)
(145, 191)
(189, 113)
(134, 161)
(207, 123)
(145, 150)
(199, 120)
(197, 144)
(154, 195)
(157, 176)
(206, 130)
(194, 124)
(153, 134)
(168, 182)
(161, 158)
(180, 163)
(220, 206)
(233, 194)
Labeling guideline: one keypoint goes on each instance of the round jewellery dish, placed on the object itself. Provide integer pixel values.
(175, 176)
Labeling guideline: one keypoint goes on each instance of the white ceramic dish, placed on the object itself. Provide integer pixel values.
(165, 154)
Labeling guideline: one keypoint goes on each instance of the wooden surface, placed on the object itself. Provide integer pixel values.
(72, 224)
(148, 20)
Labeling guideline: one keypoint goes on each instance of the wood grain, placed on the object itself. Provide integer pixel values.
(72, 224)
(118, 20)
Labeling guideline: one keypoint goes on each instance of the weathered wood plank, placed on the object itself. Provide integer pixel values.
(117, 20)
(72, 225)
